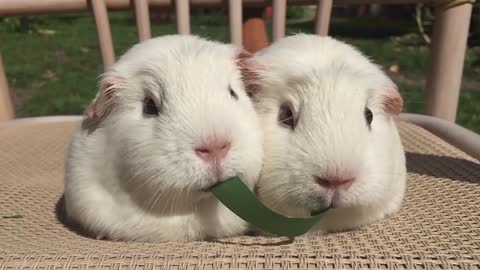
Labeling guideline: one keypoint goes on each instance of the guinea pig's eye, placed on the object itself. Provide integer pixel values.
(149, 107)
(232, 93)
(286, 116)
(368, 116)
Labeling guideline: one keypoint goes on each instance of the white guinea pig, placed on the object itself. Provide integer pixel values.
(330, 140)
(171, 119)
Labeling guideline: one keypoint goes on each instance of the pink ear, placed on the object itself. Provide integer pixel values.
(105, 101)
(90, 111)
(249, 68)
(393, 102)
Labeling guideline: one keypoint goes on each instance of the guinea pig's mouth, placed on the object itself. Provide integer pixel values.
(318, 204)
(210, 187)
(319, 210)
(215, 183)
(207, 189)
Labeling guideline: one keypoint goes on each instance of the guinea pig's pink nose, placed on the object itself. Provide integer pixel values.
(213, 150)
(334, 182)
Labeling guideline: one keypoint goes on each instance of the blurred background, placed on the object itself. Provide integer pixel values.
(53, 62)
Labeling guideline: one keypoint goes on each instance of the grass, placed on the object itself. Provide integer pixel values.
(55, 72)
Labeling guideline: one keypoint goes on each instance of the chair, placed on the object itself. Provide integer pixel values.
(437, 228)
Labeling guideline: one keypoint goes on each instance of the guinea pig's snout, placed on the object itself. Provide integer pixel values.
(213, 149)
(334, 182)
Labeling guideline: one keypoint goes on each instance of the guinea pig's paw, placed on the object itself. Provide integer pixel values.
(315, 232)
(100, 237)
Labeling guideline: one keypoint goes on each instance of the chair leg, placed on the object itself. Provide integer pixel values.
(279, 19)
(182, 8)
(142, 16)
(6, 106)
(449, 44)
(103, 32)
(322, 20)
(235, 10)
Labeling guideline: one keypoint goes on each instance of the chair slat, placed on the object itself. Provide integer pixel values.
(182, 8)
(142, 16)
(322, 20)
(235, 21)
(279, 18)
(449, 43)
(103, 32)
(6, 106)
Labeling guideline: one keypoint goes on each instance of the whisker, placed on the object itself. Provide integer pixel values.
(173, 203)
(155, 198)
(151, 178)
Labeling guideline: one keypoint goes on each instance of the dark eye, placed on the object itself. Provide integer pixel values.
(286, 116)
(368, 116)
(149, 107)
(232, 93)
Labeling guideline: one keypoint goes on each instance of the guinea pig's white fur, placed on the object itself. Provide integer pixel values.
(329, 83)
(131, 176)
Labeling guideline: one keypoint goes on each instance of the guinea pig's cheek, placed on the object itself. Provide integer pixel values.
(242, 167)
(360, 193)
(344, 199)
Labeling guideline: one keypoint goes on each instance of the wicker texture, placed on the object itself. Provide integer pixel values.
(438, 226)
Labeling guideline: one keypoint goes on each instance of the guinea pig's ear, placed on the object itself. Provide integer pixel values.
(106, 97)
(250, 71)
(392, 100)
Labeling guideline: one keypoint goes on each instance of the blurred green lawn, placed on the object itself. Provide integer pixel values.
(55, 72)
